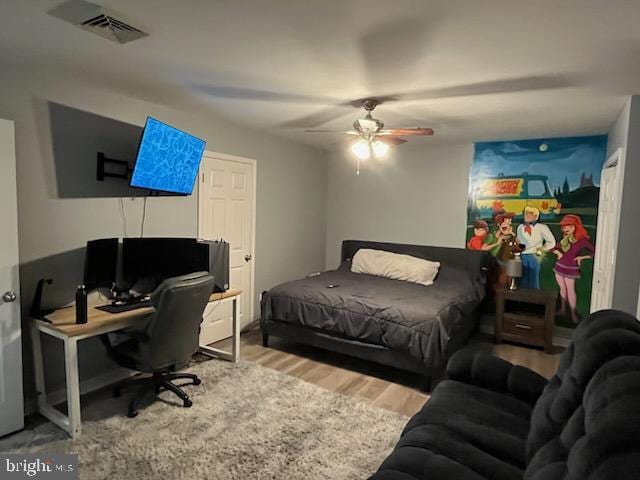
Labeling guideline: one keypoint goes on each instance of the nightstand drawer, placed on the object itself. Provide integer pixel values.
(524, 325)
(525, 316)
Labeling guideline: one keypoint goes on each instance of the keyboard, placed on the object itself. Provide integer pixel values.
(124, 304)
(125, 307)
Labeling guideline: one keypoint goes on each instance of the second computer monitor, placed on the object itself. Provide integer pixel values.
(154, 259)
(100, 263)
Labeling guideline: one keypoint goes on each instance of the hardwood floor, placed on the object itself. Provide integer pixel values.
(384, 387)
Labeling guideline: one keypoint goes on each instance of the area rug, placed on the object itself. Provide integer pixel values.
(247, 422)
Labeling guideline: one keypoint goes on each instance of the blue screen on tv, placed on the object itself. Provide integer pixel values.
(168, 159)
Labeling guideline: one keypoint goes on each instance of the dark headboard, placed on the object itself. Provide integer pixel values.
(476, 262)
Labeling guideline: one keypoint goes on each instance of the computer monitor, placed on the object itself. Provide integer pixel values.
(153, 259)
(100, 263)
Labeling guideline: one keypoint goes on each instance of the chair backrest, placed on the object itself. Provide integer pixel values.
(173, 329)
(586, 423)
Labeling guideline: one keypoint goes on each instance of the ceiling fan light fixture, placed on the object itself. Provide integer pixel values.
(361, 149)
(368, 125)
(380, 148)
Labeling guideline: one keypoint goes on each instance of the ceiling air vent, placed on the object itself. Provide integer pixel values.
(97, 19)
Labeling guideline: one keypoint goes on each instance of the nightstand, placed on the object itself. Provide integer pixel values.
(526, 316)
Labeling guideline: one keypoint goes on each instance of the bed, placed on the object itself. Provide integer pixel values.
(397, 323)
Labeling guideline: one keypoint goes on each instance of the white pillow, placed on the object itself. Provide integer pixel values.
(394, 266)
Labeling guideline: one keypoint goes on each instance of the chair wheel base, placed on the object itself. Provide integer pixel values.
(187, 403)
(197, 381)
(132, 414)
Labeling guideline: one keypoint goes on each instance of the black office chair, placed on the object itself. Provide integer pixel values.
(167, 339)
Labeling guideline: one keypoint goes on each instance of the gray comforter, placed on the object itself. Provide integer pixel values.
(403, 316)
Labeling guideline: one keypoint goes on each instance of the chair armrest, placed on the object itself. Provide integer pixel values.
(494, 373)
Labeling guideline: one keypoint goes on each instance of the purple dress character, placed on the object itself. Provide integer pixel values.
(575, 241)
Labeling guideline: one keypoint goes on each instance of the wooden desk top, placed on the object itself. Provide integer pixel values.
(63, 320)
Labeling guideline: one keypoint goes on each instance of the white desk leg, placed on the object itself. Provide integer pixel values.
(234, 355)
(235, 348)
(73, 385)
(41, 390)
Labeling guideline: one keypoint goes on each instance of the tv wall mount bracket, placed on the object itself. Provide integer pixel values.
(112, 168)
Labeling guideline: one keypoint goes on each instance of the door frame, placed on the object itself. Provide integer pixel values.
(616, 160)
(254, 170)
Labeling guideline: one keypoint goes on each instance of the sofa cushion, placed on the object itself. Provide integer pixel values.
(586, 424)
(464, 432)
(496, 374)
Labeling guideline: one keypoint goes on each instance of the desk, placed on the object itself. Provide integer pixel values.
(99, 322)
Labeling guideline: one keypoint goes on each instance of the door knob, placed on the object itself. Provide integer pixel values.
(247, 258)
(9, 296)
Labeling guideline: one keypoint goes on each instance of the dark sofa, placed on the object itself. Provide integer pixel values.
(494, 420)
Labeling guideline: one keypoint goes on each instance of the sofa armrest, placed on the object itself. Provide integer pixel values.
(494, 373)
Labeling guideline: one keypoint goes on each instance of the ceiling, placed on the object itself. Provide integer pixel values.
(472, 70)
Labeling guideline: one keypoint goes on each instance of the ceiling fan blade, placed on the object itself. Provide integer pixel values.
(393, 140)
(406, 131)
(405, 116)
(509, 85)
(401, 42)
(221, 91)
(317, 119)
(348, 132)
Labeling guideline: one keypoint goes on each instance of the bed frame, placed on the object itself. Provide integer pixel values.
(475, 262)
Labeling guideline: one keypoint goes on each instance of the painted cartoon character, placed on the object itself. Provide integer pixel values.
(480, 234)
(537, 240)
(502, 241)
(575, 240)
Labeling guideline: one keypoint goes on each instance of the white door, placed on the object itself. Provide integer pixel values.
(226, 199)
(607, 234)
(11, 409)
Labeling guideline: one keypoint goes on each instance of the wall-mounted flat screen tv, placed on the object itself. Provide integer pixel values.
(168, 159)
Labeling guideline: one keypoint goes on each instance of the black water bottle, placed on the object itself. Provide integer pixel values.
(81, 305)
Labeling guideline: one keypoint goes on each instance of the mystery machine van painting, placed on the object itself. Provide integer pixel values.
(538, 200)
(513, 193)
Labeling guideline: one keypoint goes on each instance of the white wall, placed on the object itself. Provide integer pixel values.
(417, 195)
(291, 194)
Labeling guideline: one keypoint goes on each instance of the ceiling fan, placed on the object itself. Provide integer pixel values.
(373, 139)
(369, 133)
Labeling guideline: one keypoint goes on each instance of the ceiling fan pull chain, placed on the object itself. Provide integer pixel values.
(357, 165)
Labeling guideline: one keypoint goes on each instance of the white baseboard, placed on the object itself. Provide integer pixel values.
(105, 379)
(561, 336)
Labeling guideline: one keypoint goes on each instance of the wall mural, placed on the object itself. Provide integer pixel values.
(540, 198)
